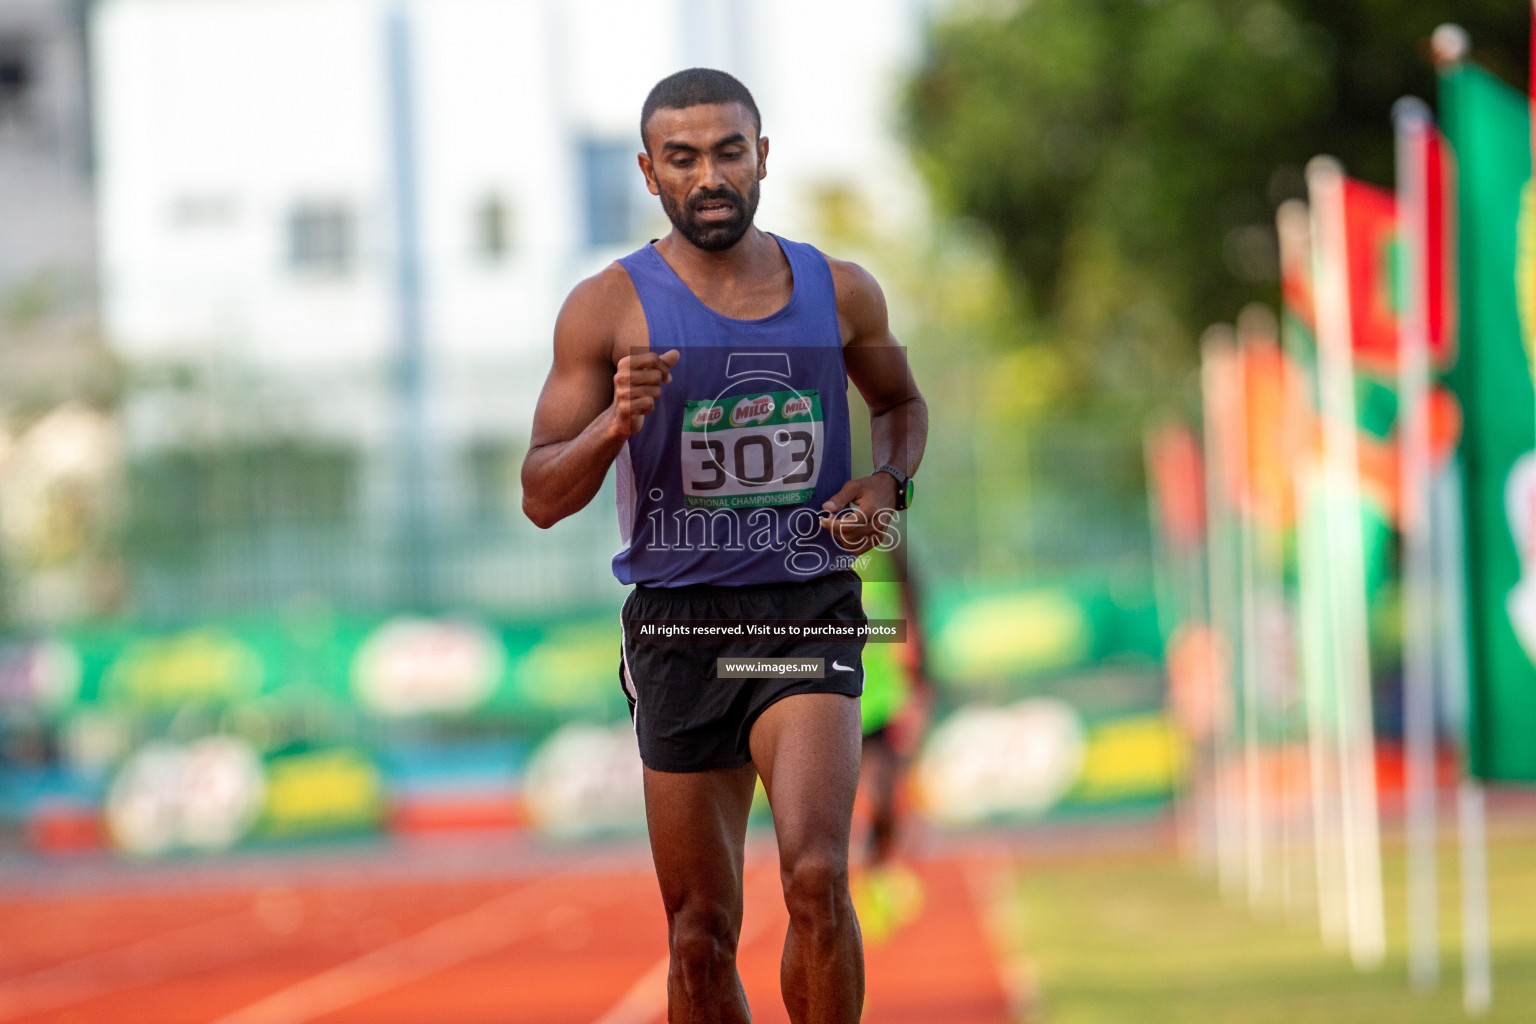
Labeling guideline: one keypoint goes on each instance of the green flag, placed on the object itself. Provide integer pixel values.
(1488, 125)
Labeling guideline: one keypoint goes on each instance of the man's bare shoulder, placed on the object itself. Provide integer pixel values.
(851, 281)
(860, 303)
(603, 311)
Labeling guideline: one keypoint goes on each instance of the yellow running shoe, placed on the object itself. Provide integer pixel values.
(886, 898)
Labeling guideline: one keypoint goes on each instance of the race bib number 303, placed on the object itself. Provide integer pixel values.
(762, 448)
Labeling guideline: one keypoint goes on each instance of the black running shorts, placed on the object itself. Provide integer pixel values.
(687, 718)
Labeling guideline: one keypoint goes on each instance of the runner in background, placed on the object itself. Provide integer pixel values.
(897, 694)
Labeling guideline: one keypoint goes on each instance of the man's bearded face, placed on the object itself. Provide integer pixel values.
(713, 219)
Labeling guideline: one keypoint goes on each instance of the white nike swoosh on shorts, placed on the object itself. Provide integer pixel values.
(840, 667)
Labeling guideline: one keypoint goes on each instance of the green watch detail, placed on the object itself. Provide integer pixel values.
(904, 486)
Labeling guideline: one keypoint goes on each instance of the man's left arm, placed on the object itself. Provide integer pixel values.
(898, 416)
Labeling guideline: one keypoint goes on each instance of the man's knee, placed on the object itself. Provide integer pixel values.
(703, 940)
(816, 887)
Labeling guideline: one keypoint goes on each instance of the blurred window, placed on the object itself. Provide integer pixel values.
(492, 225)
(495, 492)
(183, 499)
(16, 75)
(321, 238)
(608, 177)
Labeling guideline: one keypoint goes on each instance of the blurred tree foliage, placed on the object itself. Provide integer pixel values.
(1128, 155)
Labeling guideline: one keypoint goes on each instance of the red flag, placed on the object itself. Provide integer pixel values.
(1178, 482)
(1370, 231)
(1438, 268)
(1296, 266)
(1355, 228)
(1278, 424)
(1256, 404)
(1427, 233)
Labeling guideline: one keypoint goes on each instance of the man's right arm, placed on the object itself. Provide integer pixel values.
(589, 407)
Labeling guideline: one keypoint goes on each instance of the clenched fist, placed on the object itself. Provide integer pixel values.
(636, 386)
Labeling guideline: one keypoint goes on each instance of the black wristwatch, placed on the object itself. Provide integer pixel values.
(903, 486)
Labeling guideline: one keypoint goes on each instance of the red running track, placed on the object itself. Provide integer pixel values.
(584, 944)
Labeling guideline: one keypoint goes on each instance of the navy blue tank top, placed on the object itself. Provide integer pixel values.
(725, 480)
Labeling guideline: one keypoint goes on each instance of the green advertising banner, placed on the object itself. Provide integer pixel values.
(532, 673)
(1488, 125)
(304, 725)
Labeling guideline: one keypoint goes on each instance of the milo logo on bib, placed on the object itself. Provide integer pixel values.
(708, 416)
(753, 410)
(749, 450)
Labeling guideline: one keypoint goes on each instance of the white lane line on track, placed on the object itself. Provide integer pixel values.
(988, 881)
(141, 962)
(454, 940)
(646, 1000)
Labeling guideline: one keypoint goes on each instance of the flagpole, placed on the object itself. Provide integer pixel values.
(1412, 122)
(1477, 986)
(1217, 352)
(1450, 45)
(1171, 612)
(1327, 824)
(1194, 582)
(1205, 750)
(417, 528)
(1253, 796)
(1362, 839)
(1271, 625)
(1476, 966)
(1292, 223)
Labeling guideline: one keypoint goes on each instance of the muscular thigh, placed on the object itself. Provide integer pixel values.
(806, 747)
(698, 824)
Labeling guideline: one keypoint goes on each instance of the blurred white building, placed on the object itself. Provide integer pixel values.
(46, 207)
(59, 466)
(251, 197)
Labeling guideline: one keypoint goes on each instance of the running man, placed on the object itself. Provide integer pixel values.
(887, 895)
(711, 366)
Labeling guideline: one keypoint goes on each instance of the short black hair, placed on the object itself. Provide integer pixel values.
(694, 87)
